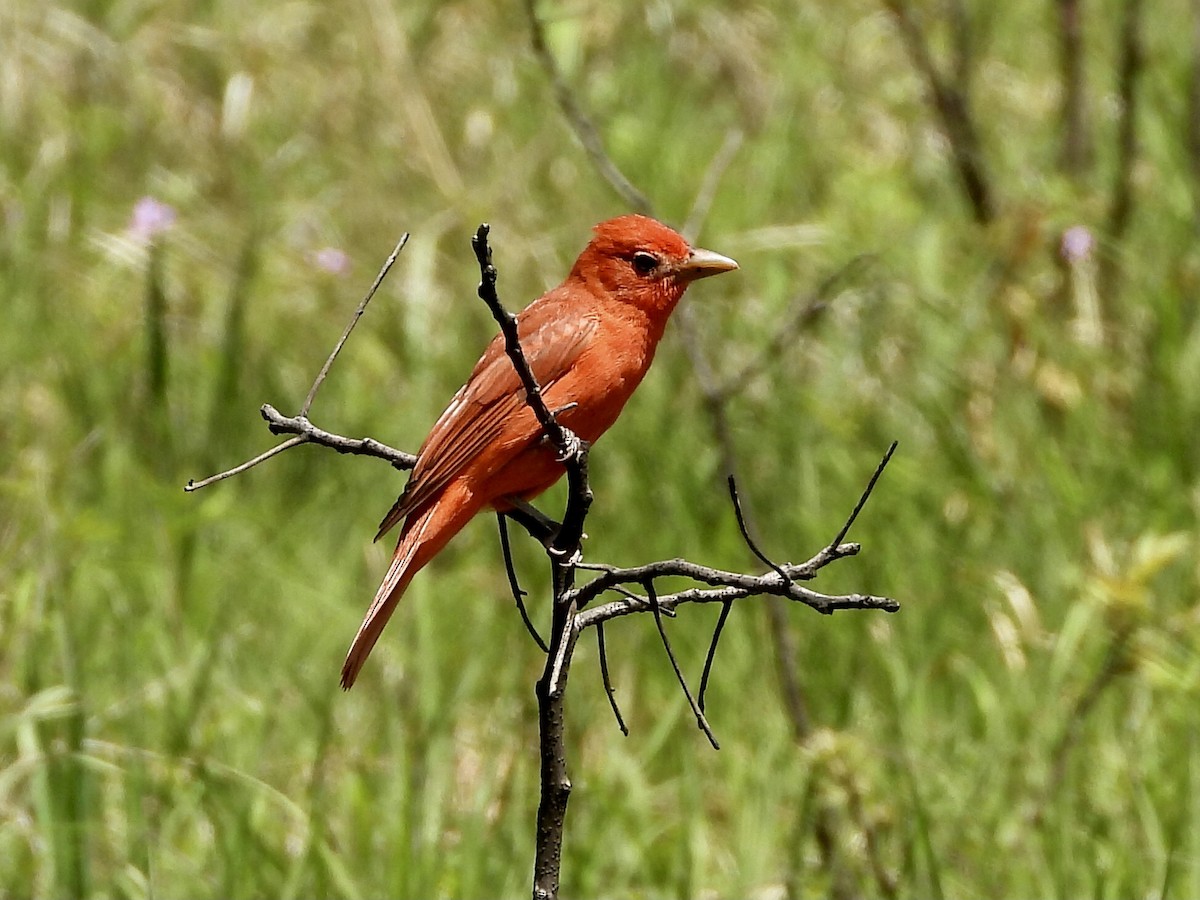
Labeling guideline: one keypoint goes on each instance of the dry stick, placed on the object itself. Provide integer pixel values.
(555, 784)
(709, 657)
(953, 110)
(866, 494)
(362, 307)
(728, 605)
(741, 520)
(701, 721)
(299, 426)
(248, 464)
(608, 688)
(724, 586)
(514, 584)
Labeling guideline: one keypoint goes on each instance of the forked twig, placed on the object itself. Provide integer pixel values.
(762, 557)
(305, 432)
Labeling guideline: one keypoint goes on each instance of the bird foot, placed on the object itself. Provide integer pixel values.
(572, 448)
(567, 558)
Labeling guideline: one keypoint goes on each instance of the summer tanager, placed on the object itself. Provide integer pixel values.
(589, 342)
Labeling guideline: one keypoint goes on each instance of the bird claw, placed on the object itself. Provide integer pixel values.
(567, 558)
(573, 446)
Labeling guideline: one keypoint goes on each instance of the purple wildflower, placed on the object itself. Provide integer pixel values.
(331, 260)
(1077, 244)
(150, 218)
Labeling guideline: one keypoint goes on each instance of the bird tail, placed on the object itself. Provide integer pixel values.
(421, 538)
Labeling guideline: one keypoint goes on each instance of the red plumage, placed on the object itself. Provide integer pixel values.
(589, 342)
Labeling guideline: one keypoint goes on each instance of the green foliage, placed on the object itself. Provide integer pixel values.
(169, 718)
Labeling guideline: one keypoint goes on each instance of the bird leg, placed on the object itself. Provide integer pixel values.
(539, 525)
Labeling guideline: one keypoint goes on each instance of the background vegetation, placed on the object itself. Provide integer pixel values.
(170, 723)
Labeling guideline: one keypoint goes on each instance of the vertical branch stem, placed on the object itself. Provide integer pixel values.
(555, 781)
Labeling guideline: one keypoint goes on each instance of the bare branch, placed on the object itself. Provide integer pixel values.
(741, 520)
(712, 649)
(514, 584)
(298, 425)
(564, 441)
(611, 577)
(608, 688)
(362, 308)
(701, 721)
(249, 464)
(766, 585)
(307, 433)
(866, 494)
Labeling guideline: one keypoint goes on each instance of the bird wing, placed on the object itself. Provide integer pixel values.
(479, 413)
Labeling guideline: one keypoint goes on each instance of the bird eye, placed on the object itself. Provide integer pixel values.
(644, 263)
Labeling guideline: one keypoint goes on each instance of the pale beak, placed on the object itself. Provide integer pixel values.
(702, 263)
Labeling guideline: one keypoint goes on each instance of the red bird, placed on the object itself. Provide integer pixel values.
(589, 342)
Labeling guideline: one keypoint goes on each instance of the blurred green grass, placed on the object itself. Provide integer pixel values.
(169, 719)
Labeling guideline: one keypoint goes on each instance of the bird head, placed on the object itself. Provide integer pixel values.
(642, 262)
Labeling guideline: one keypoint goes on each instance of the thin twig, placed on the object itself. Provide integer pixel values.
(701, 721)
(362, 307)
(564, 441)
(862, 501)
(307, 433)
(249, 464)
(712, 650)
(514, 584)
(826, 604)
(604, 677)
(754, 548)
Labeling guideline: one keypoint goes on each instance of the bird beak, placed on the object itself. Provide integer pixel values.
(702, 263)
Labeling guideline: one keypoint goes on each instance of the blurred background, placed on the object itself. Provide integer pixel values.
(994, 207)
